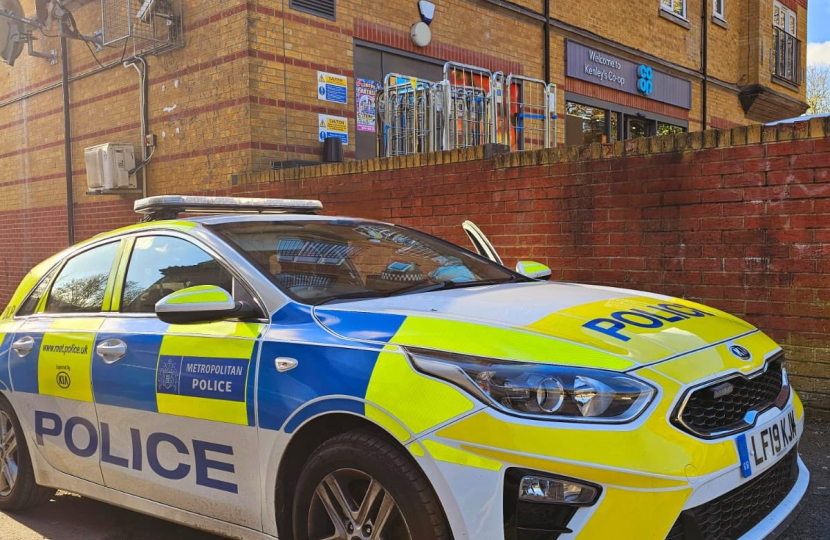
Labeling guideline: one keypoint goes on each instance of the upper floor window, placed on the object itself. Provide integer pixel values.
(785, 19)
(786, 46)
(676, 7)
(719, 9)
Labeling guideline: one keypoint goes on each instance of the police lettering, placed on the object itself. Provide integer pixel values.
(213, 386)
(81, 438)
(653, 317)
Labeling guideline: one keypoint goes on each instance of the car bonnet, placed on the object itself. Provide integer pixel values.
(558, 323)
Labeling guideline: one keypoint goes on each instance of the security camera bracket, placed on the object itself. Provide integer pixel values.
(28, 38)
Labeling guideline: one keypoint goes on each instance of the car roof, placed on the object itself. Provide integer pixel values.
(185, 224)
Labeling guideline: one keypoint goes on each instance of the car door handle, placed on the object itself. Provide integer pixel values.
(23, 346)
(111, 350)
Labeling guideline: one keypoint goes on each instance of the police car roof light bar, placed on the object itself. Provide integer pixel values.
(170, 206)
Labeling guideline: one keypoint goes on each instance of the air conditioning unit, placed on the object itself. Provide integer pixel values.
(108, 166)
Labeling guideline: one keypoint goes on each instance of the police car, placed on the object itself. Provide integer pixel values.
(262, 371)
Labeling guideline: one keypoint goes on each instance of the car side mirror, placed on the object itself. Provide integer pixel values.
(204, 303)
(534, 270)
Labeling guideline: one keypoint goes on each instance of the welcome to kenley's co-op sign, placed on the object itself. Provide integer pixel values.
(595, 66)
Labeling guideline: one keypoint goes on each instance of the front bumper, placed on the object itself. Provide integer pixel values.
(651, 474)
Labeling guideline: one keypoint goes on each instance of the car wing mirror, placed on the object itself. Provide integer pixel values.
(534, 270)
(204, 303)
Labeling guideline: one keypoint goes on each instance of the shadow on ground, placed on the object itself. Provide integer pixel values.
(69, 517)
(814, 521)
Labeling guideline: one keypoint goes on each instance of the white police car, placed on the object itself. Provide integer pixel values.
(283, 374)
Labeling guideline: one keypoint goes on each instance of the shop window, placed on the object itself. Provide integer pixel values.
(321, 8)
(664, 128)
(676, 7)
(719, 9)
(584, 124)
(786, 45)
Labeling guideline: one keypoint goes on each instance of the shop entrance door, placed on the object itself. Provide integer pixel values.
(636, 128)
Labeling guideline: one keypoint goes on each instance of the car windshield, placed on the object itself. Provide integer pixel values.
(322, 261)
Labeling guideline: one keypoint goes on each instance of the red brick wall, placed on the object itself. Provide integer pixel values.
(738, 219)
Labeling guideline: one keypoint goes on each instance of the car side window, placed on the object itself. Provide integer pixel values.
(81, 284)
(161, 265)
(31, 303)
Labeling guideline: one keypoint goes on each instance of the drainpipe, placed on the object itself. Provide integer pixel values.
(704, 56)
(146, 150)
(67, 138)
(547, 41)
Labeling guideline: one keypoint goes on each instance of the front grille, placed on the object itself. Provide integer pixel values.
(730, 516)
(707, 414)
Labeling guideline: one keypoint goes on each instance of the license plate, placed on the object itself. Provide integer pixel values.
(761, 447)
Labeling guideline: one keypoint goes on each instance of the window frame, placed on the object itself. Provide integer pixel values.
(670, 8)
(790, 60)
(719, 14)
(121, 276)
(785, 16)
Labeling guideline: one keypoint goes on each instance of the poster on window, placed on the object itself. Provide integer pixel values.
(365, 93)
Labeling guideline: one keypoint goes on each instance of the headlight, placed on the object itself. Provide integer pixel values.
(538, 390)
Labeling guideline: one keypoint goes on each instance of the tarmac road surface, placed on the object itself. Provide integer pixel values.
(69, 517)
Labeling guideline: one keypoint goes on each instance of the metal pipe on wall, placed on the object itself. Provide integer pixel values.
(547, 41)
(704, 61)
(67, 139)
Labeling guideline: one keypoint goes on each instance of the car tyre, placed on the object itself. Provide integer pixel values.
(371, 487)
(18, 489)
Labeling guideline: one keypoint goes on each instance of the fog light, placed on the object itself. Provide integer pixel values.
(555, 491)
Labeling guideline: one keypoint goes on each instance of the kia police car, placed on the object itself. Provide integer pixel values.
(262, 371)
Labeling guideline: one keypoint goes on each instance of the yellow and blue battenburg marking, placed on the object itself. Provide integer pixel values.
(5, 344)
(205, 372)
(332, 374)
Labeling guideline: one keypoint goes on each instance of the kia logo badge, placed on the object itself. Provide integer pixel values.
(741, 352)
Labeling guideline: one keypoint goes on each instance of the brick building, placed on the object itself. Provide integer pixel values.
(241, 95)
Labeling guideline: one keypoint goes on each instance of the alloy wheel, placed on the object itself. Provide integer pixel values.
(8, 455)
(351, 505)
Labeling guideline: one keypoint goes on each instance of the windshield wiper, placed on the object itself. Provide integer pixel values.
(445, 285)
(418, 288)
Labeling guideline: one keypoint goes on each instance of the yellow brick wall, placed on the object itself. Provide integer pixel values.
(243, 91)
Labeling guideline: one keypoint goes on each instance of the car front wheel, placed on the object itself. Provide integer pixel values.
(358, 486)
(18, 489)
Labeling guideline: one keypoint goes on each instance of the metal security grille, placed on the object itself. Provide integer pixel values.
(321, 8)
(148, 26)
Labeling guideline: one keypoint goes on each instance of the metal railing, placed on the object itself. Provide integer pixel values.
(405, 116)
(468, 106)
(471, 106)
(786, 57)
(530, 105)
